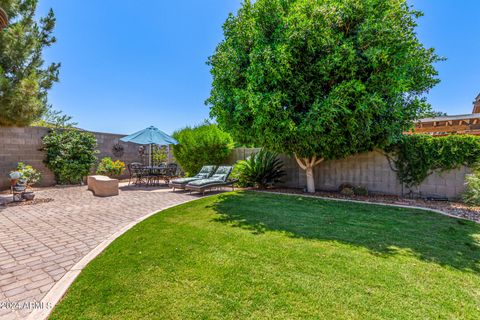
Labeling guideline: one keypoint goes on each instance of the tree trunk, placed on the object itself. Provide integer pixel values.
(308, 164)
(310, 180)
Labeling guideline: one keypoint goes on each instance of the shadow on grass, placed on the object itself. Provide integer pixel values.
(382, 230)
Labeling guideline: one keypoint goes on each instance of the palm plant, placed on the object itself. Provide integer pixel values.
(261, 169)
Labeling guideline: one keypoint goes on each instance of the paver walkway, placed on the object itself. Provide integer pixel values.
(40, 243)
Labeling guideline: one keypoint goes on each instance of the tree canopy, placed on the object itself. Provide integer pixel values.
(324, 78)
(24, 79)
(320, 79)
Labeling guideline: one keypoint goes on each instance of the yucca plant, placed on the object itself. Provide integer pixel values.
(261, 169)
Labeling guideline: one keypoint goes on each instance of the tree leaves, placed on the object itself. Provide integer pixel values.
(24, 80)
(202, 145)
(326, 78)
(417, 156)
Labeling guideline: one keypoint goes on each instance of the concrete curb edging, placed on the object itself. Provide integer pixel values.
(57, 292)
(372, 203)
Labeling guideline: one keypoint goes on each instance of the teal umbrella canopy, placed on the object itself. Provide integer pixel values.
(150, 135)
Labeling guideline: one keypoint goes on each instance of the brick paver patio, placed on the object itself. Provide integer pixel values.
(40, 243)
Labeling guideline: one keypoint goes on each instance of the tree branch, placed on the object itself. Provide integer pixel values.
(319, 161)
(299, 161)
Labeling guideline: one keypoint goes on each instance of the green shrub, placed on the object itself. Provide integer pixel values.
(261, 169)
(237, 174)
(360, 191)
(347, 192)
(345, 185)
(110, 168)
(202, 145)
(472, 191)
(70, 154)
(28, 173)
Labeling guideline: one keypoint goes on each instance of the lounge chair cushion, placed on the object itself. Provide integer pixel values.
(220, 177)
(222, 173)
(184, 180)
(204, 173)
(205, 182)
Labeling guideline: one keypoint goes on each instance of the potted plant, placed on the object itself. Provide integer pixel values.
(23, 178)
(14, 177)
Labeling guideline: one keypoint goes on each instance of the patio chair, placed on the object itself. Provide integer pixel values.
(218, 180)
(205, 172)
(136, 172)
(154, 175)
(170, 172)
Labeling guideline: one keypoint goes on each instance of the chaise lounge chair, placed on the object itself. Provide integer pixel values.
(205, 172)
(218, 180)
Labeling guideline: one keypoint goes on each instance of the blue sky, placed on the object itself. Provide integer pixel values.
(129, 64)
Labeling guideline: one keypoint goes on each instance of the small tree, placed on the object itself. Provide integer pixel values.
(159, 155)
(54, 119)
(201, 145)
(70, 154)
(24, 80)
(320, 79)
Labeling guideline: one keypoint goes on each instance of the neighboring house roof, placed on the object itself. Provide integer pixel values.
(450, 118)
(476, 104)
(456, 124)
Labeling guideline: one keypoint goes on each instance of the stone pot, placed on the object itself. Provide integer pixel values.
(28, 195)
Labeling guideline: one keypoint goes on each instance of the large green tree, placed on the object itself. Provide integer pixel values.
(24, 78)
(320, 79)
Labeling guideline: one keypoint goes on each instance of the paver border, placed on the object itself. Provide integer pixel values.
(57, 292)
(370, 202)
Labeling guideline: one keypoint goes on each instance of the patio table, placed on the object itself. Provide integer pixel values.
(157, 173)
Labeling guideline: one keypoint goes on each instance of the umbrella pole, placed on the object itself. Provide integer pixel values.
(150, 156)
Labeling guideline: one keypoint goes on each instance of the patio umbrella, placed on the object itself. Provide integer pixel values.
(150, 135)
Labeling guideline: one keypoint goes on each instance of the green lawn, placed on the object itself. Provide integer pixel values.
(250, 255)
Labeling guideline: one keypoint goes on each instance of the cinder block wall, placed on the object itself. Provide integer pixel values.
(24, 145)
(371, 170)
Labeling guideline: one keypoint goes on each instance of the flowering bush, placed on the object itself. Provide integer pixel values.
(110, 168)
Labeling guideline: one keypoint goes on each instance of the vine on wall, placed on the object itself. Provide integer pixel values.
(415, 157)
